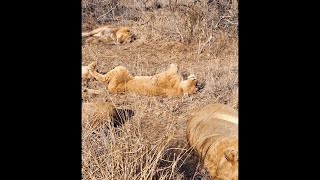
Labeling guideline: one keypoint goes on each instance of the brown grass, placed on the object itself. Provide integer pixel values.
(152, 144)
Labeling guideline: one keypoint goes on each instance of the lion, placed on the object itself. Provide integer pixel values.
(213, 133)
(118, 35)
(97, 114)
(167, 83)
(85, 73)
(86, 76)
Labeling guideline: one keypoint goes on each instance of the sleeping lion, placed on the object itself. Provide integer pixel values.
(167, 83)
(97, 114)
(117, 34)
(213, 133)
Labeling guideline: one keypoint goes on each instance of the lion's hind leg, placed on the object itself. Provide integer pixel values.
(118, 77)
(102, 78)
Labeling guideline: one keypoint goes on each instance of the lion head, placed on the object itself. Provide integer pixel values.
(190, 86)
(124, 35)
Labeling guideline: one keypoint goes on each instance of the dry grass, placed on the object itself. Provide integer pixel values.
(152, 144)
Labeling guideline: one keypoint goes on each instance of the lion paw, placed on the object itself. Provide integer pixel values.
(92, 65)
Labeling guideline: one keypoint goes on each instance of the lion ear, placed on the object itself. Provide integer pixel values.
(231, 155)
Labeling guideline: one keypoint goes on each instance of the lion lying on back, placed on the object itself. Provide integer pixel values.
(118, 35)
(167, 83)
(213, 133)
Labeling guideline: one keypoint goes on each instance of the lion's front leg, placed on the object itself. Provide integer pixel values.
(119, 39)
(113, 36)
(166, 76)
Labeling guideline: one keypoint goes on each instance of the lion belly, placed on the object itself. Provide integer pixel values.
(144, 85)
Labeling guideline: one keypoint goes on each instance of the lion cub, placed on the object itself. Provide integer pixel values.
(118, 35)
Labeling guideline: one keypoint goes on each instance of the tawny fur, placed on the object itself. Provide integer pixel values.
(85, 73)
(93, 91)
(117, 34)
(96, 114)
(167, 83)
(213, 133)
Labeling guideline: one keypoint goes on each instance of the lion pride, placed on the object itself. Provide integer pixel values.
(213, 133)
